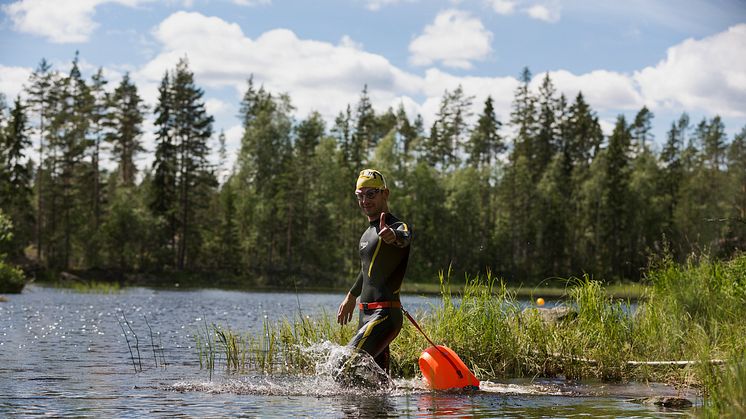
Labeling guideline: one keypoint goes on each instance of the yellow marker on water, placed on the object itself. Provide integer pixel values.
(539, 301)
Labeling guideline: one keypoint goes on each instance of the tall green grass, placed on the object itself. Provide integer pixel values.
(691, 312)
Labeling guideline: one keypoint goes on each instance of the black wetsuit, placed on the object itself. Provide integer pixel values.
(382, 271)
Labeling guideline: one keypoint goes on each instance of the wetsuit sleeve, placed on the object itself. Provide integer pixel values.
(357, 288)
(403, 235)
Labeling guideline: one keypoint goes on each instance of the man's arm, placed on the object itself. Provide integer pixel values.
(403, 235)
(347, 307)
(396, 234)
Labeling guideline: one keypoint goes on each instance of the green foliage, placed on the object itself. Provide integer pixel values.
(726, 388)
(11, 277)
(546, 195)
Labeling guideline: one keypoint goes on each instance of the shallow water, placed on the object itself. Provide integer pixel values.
(64, 354)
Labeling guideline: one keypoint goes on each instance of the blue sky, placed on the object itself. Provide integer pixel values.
(671, 56)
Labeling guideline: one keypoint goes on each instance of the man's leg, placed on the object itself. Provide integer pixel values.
(384, 360)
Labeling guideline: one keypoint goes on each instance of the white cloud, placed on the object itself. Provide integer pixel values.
(437, 82)
(707, 74)
(604, 90)
(695, 75)
(348, 42)
(375, 5)
(502, 7)
(607, 125)
(455, 39)
(252, 2)
(542, 12)
(12, 80)
(319, 75)
(61, 21)
(547, 10)
(215, 106)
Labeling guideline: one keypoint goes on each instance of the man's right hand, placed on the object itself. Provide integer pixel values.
(344, 314)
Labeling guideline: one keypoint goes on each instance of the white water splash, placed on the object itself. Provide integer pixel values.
(522, 389)
(339, 370)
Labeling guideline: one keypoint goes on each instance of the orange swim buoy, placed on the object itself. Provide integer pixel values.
(442, 369)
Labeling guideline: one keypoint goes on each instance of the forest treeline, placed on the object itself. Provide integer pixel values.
(543, 193)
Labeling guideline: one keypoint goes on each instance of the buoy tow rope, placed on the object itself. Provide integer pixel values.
(417, 326)
(638, 363)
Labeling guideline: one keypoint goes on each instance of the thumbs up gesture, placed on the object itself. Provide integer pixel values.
(384, 232)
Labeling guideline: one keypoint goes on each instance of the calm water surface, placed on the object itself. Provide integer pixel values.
(63, 353)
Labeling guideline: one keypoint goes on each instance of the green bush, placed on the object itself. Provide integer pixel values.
(11, 278)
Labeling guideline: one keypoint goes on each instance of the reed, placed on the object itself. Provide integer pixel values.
(92, 287)
(691, 312)
(726, 389)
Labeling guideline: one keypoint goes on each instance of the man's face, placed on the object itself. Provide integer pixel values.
(372, 200)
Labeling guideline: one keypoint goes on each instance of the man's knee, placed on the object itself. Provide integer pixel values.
(384, 360)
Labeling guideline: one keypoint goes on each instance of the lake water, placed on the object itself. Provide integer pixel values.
(63, 353)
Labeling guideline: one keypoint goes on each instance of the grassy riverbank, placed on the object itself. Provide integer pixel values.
(689, 313)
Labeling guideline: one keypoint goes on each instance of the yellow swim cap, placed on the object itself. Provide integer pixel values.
(370, 178)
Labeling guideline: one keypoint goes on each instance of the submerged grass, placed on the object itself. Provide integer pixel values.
(691, 312)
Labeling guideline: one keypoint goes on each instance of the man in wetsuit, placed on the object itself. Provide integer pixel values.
(384, 252)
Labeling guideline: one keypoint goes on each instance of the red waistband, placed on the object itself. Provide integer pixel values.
(380, 304)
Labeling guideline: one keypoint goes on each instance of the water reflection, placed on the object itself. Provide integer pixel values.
(374, 406)
(64, 354)
(440, 404)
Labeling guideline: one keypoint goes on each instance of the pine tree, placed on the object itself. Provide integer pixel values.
(363, 139)
(163, 199)
(69, 129)
(672, 174)
(545, 142)
(735, 235)
(15, 176)
(712, 138)
(342, 130)
(127, 114)
(582, 137)
(263, 172)
(485, 142)
(98, 119)
(41, 96)
(523, 117)
(449, 130)
(408, 133)
(192, 128)
(641, 130)
(615, 211)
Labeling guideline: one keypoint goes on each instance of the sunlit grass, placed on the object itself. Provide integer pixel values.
(93, 287)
